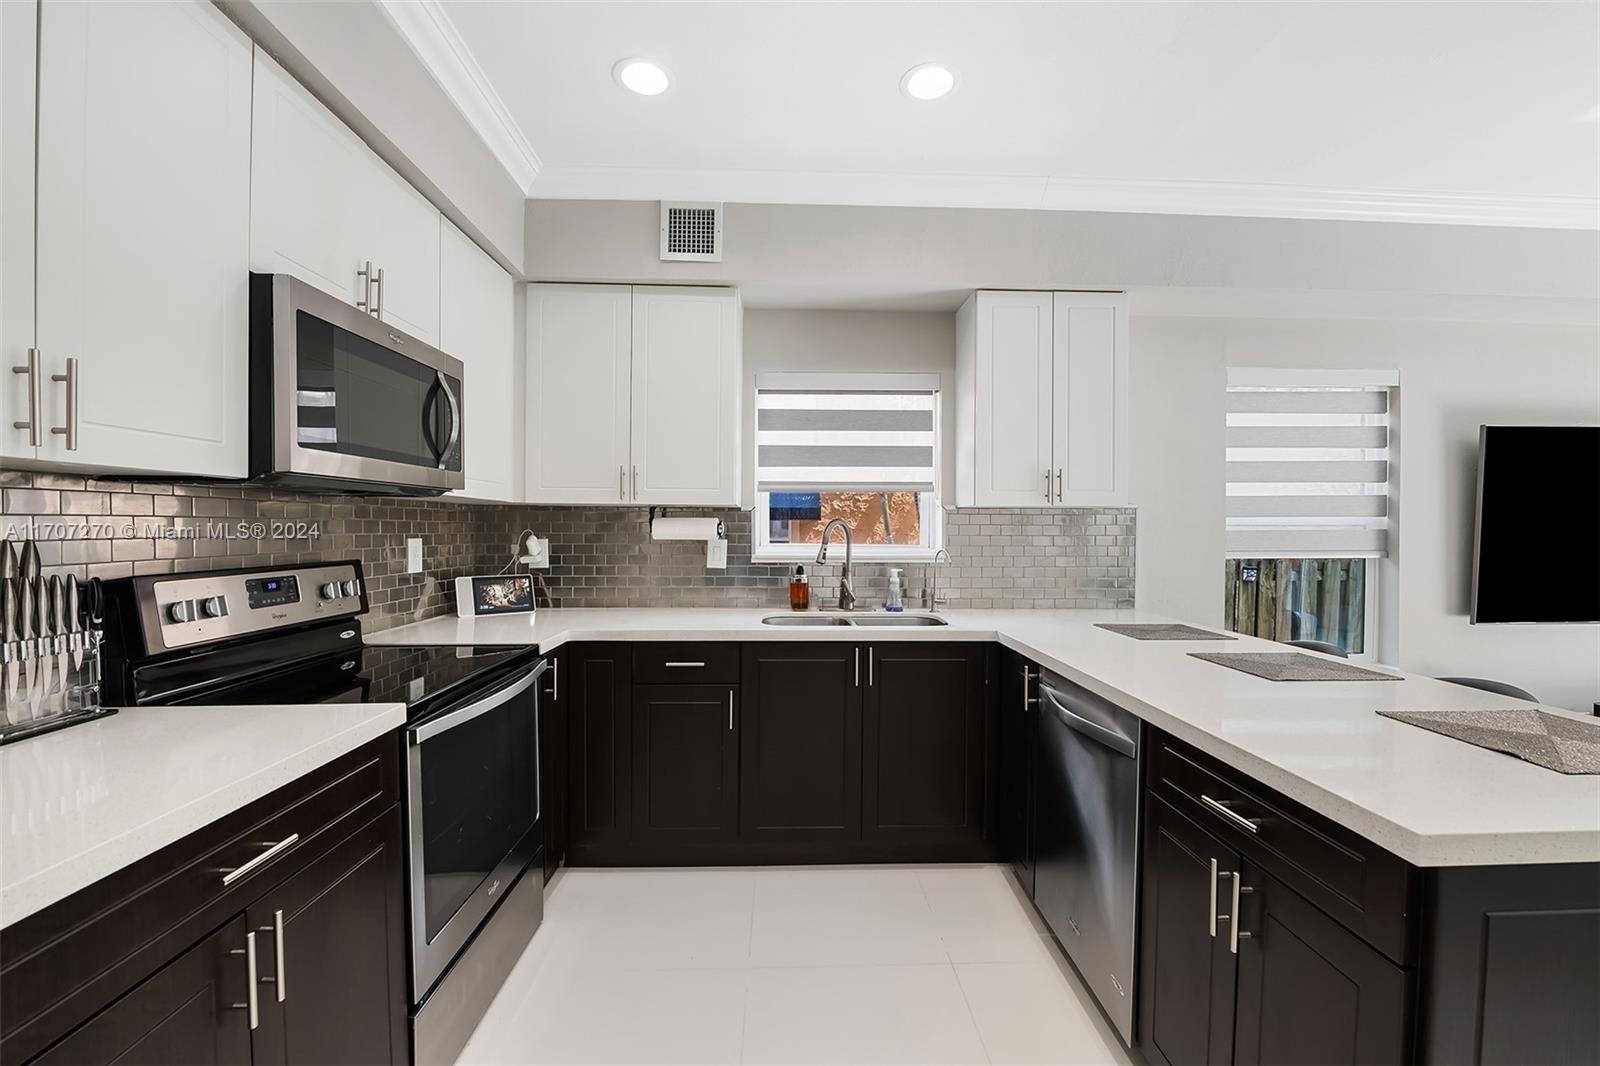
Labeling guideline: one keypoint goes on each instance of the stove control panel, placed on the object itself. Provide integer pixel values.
(185, 610)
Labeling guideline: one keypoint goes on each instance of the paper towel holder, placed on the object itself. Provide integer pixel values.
(658, 511)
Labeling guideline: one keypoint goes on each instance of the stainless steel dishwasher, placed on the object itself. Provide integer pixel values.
(1087, 842)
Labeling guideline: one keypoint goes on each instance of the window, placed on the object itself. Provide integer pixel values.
(1307, 504)
(863, 448)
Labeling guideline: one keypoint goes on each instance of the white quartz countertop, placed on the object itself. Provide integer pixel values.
(1431, 800)
(83, 802)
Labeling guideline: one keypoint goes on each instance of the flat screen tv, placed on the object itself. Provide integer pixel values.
(1536, 556)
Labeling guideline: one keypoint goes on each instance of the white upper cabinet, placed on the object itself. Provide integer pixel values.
(324, 207)
(18, 37)
(577, 411)
(143, 221)
(477, 325)
(1042, 400)
(686, 365)
(633, 395)
(1091, 399)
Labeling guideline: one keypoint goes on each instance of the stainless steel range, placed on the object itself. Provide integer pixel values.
(473, 800)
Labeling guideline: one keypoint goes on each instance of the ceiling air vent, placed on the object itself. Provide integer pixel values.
(691, 231)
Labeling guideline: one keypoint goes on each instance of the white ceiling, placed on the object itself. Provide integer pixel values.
(1445, 112)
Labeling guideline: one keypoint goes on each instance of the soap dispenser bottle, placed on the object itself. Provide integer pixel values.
(799, 590)
(893, 603)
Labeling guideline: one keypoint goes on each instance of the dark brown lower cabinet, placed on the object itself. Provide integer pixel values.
(1309, 990)
(338, 927)
(1019, 743)
(190, 1011)
(923, 745)
(1186, 1004)
(800, 744)
(685, 764)
(599, 748)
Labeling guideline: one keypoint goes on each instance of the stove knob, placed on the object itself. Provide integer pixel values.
(330, 591)
(351, 588)
(179, 611)
(214, 606)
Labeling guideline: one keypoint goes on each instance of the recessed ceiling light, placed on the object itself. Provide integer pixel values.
(641, 76)
(928, 81)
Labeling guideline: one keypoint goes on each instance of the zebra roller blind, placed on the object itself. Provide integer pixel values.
(1308, 472)
(846, 432)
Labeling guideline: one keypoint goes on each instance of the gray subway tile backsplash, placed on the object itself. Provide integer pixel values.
(600, 556)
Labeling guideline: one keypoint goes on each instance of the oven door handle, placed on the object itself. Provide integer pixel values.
(461, 716)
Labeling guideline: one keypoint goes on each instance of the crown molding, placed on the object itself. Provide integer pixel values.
(1238, 199)
(427, 28)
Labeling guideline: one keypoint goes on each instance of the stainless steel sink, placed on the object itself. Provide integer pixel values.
(803, 620)
(897, 620)
(853, 620)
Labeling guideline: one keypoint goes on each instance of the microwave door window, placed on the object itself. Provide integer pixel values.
(357, 398)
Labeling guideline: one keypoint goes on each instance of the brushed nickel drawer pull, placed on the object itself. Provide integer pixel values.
(690, 665)
(1211, 910)
(277, 947)
(1249, 825)
(230, 876)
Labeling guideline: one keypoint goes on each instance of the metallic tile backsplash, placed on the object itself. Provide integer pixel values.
(600, 556)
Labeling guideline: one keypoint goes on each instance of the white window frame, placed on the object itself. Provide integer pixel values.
(929, 505)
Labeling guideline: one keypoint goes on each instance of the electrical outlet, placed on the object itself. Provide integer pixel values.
(717, 554)
(413, 555)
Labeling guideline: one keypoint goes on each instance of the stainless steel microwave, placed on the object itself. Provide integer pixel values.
(342, 402)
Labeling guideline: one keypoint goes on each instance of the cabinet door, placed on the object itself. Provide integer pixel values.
(18, 63)
(1014, 337)
(192, 1010)
(577, 411)
(477, 327)
(339, 928)
(143, 235)
(323, 205)
(1186, 970)
(599, 735)
(685, 764)
(686, 384)
(1310, 991)
(1090, 449)
(1019, 725)
(922, 749)
(800, 744)
(553, 703)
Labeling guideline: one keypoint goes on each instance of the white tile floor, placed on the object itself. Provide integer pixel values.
(898, 964)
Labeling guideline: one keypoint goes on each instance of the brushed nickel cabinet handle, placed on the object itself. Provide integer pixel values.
(730, 710)
(869, 667)
(555, 680)
(1235, 934)
(70, 430)
(1249, 825)
(858, 668)
(377, 310)
(1211, 908)
(622, 483)
(230, 876)
(1027, 700)
(30, 368)
(690, 665)
(1059, 492)
(252, 1002)
(364, 297)
(277, 948)
(1047, 485)
(636, 482)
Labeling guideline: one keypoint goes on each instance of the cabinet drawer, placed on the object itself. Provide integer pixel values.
(1369, 890)
(67, 961)
(686, 663)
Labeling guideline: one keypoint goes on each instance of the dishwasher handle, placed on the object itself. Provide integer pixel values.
(1124, 746)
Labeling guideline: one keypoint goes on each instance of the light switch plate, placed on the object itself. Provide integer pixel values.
(413, 555)
(717, 554)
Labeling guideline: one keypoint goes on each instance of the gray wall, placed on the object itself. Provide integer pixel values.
(930, 258)
(1453, 377)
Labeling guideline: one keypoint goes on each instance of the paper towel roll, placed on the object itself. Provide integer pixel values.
(686, 529)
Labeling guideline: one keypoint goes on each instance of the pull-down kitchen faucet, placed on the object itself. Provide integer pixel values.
(847, 595)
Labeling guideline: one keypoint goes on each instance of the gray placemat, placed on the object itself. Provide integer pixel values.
(1291, 666)
(1553, 741)
(1162, 631)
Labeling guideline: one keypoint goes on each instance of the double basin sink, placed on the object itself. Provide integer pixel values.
(863, 619)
